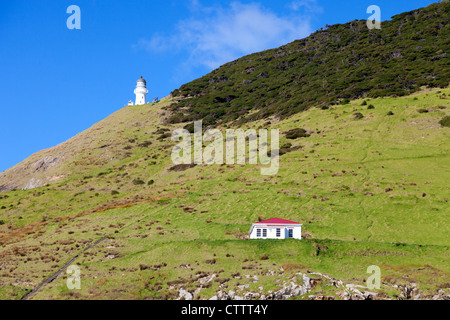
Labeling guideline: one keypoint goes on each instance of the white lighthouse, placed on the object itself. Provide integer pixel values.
(141, 91)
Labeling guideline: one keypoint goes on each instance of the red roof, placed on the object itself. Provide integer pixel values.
(278, 221)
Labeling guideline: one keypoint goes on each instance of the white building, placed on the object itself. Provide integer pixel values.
(141, 92)
(276, 228)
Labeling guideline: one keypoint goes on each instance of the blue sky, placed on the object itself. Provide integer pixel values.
(56, 82)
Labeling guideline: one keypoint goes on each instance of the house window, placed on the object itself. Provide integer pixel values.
(264, 233)
(258, 232)
(291, 233)
(278, 232)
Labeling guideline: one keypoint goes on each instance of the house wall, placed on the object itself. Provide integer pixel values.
(271, 232)
(298, 232)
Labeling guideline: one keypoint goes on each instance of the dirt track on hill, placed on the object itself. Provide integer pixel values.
(57, 273)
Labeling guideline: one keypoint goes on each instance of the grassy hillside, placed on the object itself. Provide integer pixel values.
(370, 185)
(344, 61)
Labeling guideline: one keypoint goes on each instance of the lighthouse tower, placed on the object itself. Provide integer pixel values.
(141, 91)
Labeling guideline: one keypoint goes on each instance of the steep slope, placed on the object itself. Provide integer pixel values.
(345, 61)
(105, 144)
(369, 190)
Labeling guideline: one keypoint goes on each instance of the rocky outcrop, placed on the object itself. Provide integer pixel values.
(33, 183)
(289, 290)
(45, 163)
(30, 174)
(302, 284)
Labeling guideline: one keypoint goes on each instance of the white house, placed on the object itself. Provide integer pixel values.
(276, 228)
(141, 92)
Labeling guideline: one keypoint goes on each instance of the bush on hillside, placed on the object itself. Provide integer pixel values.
(138, 181)
(358, 115)
(297, 133)
(345, 101)
(445, 121)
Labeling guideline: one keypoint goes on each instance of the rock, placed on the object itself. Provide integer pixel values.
(213, 298)
(306, 280)
(197, 291)
(32, 183)
(45, 163)
(184, 295)
(206, 279)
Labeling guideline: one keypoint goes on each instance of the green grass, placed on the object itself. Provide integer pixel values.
(372, 191)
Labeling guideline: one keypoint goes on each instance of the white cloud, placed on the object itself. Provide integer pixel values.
(224, 34)
(307, 5)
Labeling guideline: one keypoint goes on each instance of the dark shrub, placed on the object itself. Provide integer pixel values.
(371, 106)
(358, 115)
(296, 133)
(115, 192)
(189, 127)
(182, 167)
(364, 103)
(445, 122)
(145, 144)
(390, 113)
(345, 101)
(422, 111)
(151, 182)
(138, 181)
(161, 137)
